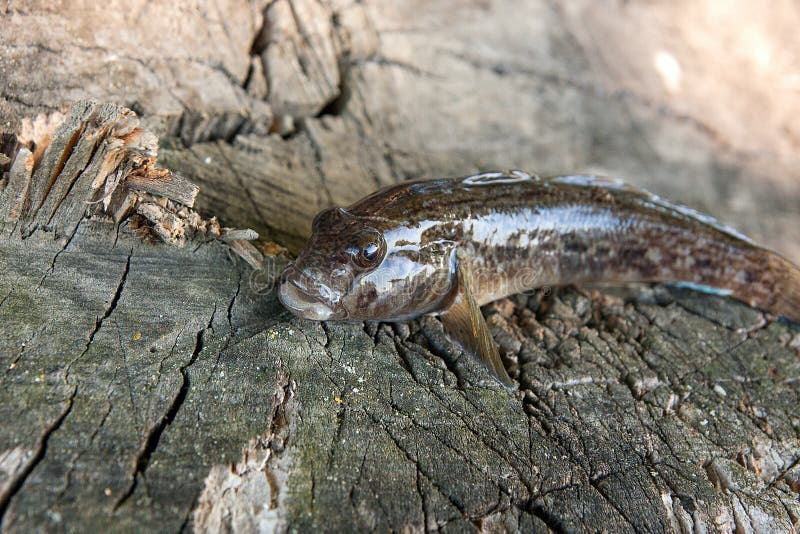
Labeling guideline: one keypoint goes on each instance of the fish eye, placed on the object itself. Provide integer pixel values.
(369, 249)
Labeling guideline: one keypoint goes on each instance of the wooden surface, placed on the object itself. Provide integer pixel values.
(156, 386)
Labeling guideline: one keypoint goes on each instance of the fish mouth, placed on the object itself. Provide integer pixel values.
(298, 301)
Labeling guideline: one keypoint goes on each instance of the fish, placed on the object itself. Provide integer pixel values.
(447, 247)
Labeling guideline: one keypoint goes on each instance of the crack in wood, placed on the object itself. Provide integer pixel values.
(4, 299)
(359, 479)
(278, 434)
(443, 347)
(66, 153)
(341, 413)
(551, 520)
(16, 359)
(423, 501)
(97, 140)
(92, 438)
(153, 434)
(597, 484)
(454, 501)
(464, 456)
(19, 100)
(781, 477)
(404, 65)
(58, 253)
(106, 314)
(231, 331)
(14, 486)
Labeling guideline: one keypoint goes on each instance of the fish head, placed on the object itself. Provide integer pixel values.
(358, 268)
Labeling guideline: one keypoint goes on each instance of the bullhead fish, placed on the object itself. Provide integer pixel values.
(447, 247)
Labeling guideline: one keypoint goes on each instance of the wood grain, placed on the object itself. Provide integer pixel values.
(147, 386)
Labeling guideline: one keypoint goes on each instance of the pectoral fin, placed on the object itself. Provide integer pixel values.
(464, 322)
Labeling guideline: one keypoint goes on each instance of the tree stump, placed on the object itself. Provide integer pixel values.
(151, 381)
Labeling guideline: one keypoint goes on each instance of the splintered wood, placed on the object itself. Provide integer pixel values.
(98, 162)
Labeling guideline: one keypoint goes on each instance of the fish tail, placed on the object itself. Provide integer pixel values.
(756, 276)
(771, 283)
(786, 297)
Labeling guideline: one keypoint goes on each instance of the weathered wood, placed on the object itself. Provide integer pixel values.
(127, 386)
(148, 386)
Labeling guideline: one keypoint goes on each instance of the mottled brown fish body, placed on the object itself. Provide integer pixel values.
(448, 246)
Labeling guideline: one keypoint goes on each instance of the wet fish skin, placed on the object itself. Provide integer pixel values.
(500, 233)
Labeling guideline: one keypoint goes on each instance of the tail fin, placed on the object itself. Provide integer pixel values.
(786, 301)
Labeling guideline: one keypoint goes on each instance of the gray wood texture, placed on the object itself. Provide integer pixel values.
(150, 380)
